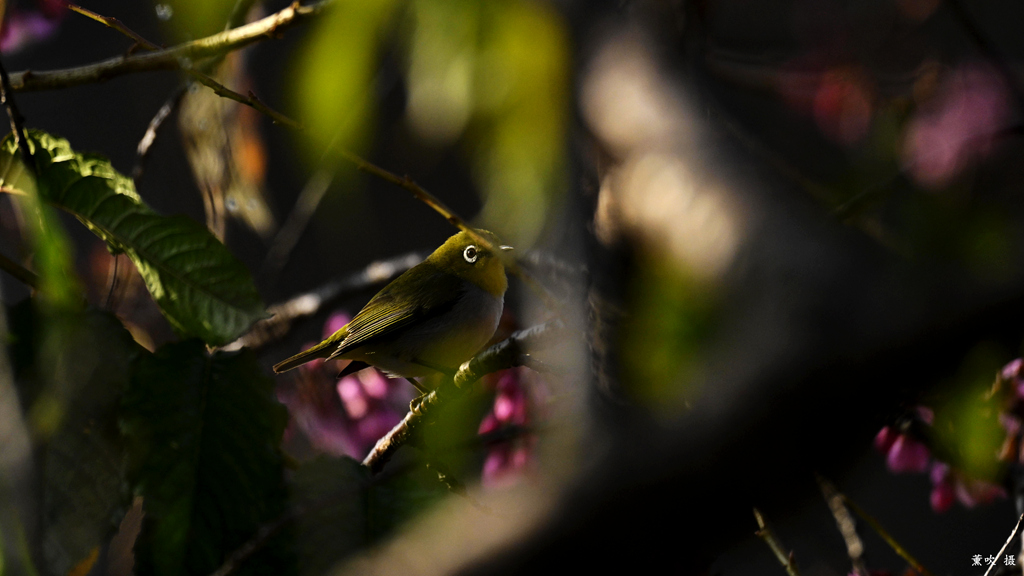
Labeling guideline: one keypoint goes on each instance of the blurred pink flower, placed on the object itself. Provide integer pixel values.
(948, 484)
(346, 416)
(907, 455)
(956, 128)
(843, 106)
(23, 27)
(507, 459)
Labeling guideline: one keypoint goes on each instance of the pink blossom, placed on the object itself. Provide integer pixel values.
(907, 455)
(506, 460)
(23, 27)
(956, 129)
(884, 439)
(342, 416)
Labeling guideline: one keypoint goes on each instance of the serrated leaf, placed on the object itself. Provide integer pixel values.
(201, 288)
(202, 434)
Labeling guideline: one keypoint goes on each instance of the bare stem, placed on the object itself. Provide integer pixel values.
(846, 524)
(886, 536)
(785, 558)
(20, 272)
(1005, 544)
(448, 214)
(173, 58)
(114, 23)
(199, 76)
(309, 303)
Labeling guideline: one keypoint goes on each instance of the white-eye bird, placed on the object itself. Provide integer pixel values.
(429, 320)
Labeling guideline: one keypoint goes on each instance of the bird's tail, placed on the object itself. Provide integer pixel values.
(321, 350)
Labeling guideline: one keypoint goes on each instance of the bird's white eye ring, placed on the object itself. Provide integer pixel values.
(470, 254)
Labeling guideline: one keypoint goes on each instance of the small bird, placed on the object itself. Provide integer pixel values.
(429, 320)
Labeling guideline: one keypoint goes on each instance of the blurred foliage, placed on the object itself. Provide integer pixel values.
(967, 430)
(203, 433)
(335, 75)
(191, 19)
(201, 288)
(493, 73)
(71, 376)
(341, 510)
(671, 317)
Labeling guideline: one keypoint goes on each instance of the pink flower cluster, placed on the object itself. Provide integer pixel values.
(957, 127)
(347, 416)
(904, 452)
(507, 459)
(343, 416)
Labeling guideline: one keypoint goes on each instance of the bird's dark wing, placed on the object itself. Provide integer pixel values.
(419, 294)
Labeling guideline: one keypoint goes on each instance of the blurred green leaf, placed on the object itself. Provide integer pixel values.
(334, 75)
(967, 430)
(202, 434)
(522, 91)
(196, 18)
(53, 257)
(201, 288)
(84, 496)
(76, 365)
(671, 315)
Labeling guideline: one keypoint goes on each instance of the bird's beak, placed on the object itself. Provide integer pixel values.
(506, 248)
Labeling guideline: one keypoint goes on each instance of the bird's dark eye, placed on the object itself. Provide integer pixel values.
(470, 254)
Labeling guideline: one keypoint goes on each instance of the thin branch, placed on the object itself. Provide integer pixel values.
(251, 100)
(1005, 544)
(785, 558)
(142, 150)
(846, 524)
(295, 224)
(441, 208)
(309, 303)
(26, 276)
(886, 536)
(198, 75)
(114, 23)
(173, 58)
(508, 353)
(17, 120)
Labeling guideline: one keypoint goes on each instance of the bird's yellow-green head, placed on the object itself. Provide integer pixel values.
(464, 256)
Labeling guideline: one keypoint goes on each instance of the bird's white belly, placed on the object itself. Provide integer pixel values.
(447, 341)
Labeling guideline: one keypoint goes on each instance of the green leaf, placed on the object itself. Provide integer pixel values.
(202, 434)
(201, 288)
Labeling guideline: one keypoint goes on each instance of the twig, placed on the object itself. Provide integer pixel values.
(455, 486)
(295, 224)
(251, 100)
(1005, 544)
(441, 208)
(26, 276)
(264, 534)
(846, 524)
(142, 150)
(309, 303)
(199, 76)
(886, 536)
(17, 120)
(508, 353)
(112, 23)
(785, 558)
(172, 58)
